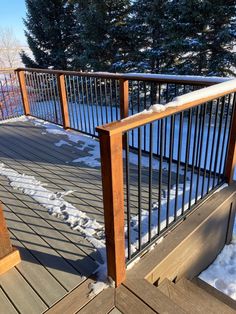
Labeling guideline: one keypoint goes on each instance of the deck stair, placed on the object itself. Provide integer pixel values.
(193, 297)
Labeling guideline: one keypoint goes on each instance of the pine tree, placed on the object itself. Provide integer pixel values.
(102, 25)
(50, 33)
(203, 34)
(149, 26)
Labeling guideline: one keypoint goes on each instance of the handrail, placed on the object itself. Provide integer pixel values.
(181, 79)
(112, 140)
(178, 105)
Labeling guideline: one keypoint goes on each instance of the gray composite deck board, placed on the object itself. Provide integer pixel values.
(42, 281)
(26, 201)
(5, 304)
(78, 258)
(94, 200)
(21, 294)
(55, 259)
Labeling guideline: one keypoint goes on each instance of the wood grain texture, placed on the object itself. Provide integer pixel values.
(124, 98)
(153, 297)
(101, 304)
(74, 301)
(5, 243)
(24, 94)
(112, 181)
(9, 261)
(128, 303)
(5, 304)
(215, 293)
(25, 299)
(195, 293)
(63, 100)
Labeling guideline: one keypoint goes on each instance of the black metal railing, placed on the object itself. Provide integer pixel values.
(10, 95)
(43, 96)
(178, 160)
(92, 101)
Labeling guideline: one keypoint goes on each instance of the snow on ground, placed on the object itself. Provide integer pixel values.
(21, 118)
(56, 205)
(221, 274)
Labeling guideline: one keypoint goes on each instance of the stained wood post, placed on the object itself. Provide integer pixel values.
(9, 257)
(124, 98)
(113, 200)
(231, 155)
(63, 100)
(124, 104)
(24, 94)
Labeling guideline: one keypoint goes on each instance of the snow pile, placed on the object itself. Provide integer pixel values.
(17, 119)
(57, 206)
(198, 95)
(225, 87)
(221, 274)
(85, 142)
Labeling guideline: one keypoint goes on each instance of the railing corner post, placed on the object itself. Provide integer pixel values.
(23, 89)
(63, 100)
(113, 200)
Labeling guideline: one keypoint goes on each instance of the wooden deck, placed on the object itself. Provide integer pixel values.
(57, 262)
(55, 259)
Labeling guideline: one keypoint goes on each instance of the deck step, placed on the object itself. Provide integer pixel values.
(197, 294)
(214, 292)
(192, 300)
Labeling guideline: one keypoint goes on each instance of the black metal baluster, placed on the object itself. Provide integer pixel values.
(213, 145)
(207, 149)
(150, 183)
(140, 187)
(128, 196)
(85, 116)
(179, 142)
(224, 138)
(169, 169)
(78, 100)
(187, 154)
(193, 156)
(218, 139)
(201, 148)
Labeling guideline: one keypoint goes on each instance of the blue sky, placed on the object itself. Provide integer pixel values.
(11, 14)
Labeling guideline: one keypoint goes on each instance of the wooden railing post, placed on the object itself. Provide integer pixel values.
(63, 100)
(231, 156)
(113, 200)
(124, 98)
(24, 94)
(9, 257)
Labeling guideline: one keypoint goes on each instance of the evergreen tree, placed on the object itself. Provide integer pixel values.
(149, 29)
(202, 37)
(102, 25)
(50, 33)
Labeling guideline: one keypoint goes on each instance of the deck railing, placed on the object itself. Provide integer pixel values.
(156, 166)
(143, 199)
(10, 95)
(82, 101)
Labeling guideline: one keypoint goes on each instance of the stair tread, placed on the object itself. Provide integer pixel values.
(180, 298)
(197, 294)
(215, 293)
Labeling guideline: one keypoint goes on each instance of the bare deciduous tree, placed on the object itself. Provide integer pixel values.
(9, 49)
